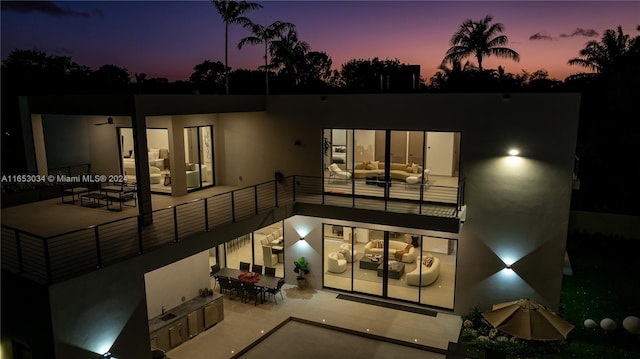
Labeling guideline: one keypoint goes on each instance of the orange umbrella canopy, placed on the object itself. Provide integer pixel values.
(528, 320)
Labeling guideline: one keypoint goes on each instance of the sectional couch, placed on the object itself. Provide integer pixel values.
(398, 171)
(423, 276)
(405, 251)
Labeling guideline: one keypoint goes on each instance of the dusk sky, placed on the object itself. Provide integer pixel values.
(168, 38)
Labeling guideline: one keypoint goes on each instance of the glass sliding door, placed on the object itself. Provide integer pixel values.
(127, 155)
(437, 274)
(159, 164)
(337, 245)
(206, 155)
(367, 275)
(198, 152)
(338, 165)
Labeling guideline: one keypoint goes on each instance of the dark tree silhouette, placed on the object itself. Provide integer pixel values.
(451, 77)
(479, 39)
(316, 70)
(265, 35)
(288, 56)
(613, 52)
(111, 79)
(231, 13)
(35, 72)
(209, 76)
(373, 75)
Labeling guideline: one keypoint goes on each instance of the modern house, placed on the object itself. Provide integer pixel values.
(442, 200)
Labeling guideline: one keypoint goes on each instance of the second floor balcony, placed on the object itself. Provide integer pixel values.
(49, 241)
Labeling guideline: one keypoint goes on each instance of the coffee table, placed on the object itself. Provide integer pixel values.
(93, 199)
(367, 263)
(396, 273)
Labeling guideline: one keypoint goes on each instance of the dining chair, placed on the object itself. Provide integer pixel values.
(238, 288)
(214, 269)
(225, 285)
(270, 271)
(244, 266)
(277, 289)
(257, 268)
(252, 292)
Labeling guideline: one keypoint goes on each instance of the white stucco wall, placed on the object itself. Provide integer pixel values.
(167, 286)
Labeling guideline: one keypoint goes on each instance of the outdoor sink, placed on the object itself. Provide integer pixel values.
(168, 316)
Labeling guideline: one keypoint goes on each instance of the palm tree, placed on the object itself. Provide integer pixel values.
(614, 51)
(451, 77)
(288, 54)
(231, 12)
(264, 35)
(479, 39)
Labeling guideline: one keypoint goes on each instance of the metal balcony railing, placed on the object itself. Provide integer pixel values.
(62, 256)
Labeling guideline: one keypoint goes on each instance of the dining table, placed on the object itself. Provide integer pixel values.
(264, 282)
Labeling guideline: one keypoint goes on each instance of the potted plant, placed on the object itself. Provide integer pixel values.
(301, 268)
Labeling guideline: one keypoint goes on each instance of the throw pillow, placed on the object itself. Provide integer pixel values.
(414, 168)
(375, 165)
(425, 260)
(409, 169)
(429, 262)
(365, 164)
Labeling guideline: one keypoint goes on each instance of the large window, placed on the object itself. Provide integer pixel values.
(157, 155)
(198, 153)
(420, 166)
(399, 265)
(264, 247)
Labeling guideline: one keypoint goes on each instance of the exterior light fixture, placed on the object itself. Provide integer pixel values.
(302, 238)
(514, 152)
(106, 355)
(508, 266)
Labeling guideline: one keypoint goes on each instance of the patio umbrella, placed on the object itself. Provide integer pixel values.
(528, 320)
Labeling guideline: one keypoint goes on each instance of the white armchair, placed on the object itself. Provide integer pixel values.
(335, 172)
(351, 254)
(423, 178)
(154, 175)
(336, 262)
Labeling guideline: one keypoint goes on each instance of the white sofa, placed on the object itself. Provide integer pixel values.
(336, 263)
(129, 168)
(373, 247)
(156, 158)
(423, 275)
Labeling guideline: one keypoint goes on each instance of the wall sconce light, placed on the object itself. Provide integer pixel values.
(514, 152)
(508, 266)
(106, 355)
(302, 238)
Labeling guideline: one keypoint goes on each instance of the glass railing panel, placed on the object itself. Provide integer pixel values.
(72, 253)
(161, 231)
(266, 196)
(119, 240)
(191, 218)
(219, 210)
(244, 203)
